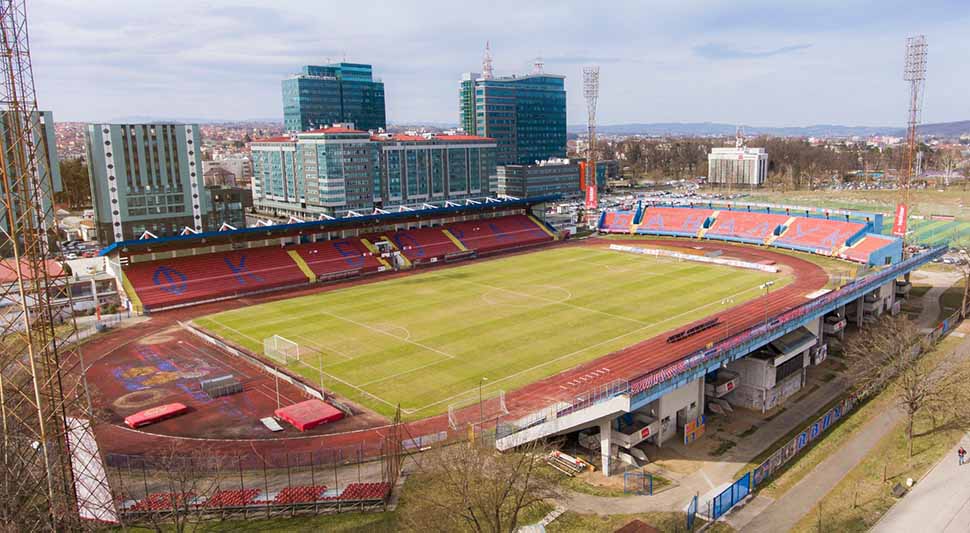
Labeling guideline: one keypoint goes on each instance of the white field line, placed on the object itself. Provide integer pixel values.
(351, 385)
(544, 299)
(320, 348)
(388, 334)
(399, 374)
(316, 370)
(607, 341)
(230, 328)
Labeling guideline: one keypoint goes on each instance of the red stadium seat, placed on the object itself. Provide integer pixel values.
(232, 498)
(492, 234)
(742, 225)
(617, 221)
(862, 249)
(423, 244)
(365, 491)
(190, 279)
(162, 501)
(818, 234)
(301, 494)
(326, 258)
(673, 220)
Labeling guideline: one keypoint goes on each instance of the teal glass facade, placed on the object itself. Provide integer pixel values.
(331, 94)
(526, 115)
(332, 171)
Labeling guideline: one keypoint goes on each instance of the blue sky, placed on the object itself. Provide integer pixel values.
(771, 63)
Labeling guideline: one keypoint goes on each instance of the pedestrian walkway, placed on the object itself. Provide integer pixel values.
(939, 502)
(787, 510)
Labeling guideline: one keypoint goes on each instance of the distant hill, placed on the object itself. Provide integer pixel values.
(701, 129)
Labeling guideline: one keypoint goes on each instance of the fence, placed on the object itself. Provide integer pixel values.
(638, 483)
(731, 495)
(723, 502)
(165, 486)
(691, 513)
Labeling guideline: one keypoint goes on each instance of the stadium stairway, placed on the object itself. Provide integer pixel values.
(311, 277)
(542, 226)
(423, 244)
(787, 225)
(452, 238)
(706, 226)
(404, 257)
(136, 305)
(373, 249)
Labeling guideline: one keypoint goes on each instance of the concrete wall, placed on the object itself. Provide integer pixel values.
(754, 372)
(676, 400)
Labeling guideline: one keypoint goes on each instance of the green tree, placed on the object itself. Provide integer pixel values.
(77, 188)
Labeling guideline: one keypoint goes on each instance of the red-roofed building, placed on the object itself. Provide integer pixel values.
(335, 169)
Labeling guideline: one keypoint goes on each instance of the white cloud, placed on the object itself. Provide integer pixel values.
(94, 61)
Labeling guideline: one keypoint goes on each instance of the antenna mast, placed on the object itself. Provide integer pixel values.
(487, 73)
(914, 71)
(591, 91)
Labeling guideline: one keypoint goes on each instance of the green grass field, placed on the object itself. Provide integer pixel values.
(427, 340)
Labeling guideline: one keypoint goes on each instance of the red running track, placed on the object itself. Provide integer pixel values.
(628, 363)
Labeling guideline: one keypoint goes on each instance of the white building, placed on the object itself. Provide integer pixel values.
(737, 165)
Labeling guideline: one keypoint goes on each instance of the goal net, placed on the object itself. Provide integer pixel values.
(473, 410)
(281, 349)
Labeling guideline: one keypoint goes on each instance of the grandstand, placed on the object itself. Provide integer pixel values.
(172, 272)
(845, 236)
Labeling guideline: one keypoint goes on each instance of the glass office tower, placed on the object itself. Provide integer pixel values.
(526, 115)
(330, 94)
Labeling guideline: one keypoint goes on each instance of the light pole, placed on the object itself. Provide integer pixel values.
(767, 287)
(481, 405)
(727, 318)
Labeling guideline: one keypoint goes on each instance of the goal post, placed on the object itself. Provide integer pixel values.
(478, 409)
(281, 349)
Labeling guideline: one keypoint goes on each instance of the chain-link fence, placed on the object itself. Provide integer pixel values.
(177, 485)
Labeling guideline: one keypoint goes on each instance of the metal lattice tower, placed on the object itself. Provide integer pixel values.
(41, 388)
(591, 92)
(538, 66)
(914, 71)
(487, 73)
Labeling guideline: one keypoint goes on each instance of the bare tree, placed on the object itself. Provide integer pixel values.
(888, 355)
(473, 487)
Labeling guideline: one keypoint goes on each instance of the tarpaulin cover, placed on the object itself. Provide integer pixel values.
(309, 414)
(155, 414)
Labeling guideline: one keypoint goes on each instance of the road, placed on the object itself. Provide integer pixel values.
(939, 502)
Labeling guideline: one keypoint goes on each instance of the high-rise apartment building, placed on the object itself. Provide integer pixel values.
(146, 177)
(526, 115)
(333, 170)
(335, 93)
(48, 165)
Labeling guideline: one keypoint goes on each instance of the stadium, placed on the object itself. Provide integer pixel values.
(402, 329)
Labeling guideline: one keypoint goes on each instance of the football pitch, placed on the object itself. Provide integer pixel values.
(426, 341)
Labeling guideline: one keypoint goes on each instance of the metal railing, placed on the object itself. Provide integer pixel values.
(655, 383)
